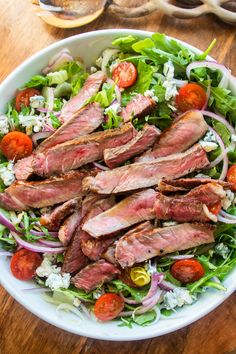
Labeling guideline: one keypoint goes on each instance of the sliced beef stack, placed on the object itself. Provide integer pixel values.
(105, 218)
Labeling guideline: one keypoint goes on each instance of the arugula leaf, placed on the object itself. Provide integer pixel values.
(105, 96)
(56, 123)
(207, 51)
(125, 43)
(223, 102)
(136, 293)
(112, 121)
(143, 44)
(145, 319)
(37, 81)
(223, 132)
(77, 82)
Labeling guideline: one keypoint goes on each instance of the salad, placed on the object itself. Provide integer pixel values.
(118, 181)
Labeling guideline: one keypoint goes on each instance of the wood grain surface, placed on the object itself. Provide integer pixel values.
(21, 35)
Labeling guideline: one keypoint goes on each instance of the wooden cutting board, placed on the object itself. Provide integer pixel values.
(21, 35)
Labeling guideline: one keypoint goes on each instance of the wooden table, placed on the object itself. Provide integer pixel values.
(21, 35)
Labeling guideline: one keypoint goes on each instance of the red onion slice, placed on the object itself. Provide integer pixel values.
(167, 286)
(36, 247)
(40, 135)
(227, 215)
(4, 221)
(50, 243)
(36, 290)
(227, 81)
(63, 57)
(129, 301)
(225, 157)
(219, 119)
(225, 220)
(101, 167)
(156, 279)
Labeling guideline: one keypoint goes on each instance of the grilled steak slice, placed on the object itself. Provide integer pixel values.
(68, 227)
(138, 107)
(25, 195)
(80, 151)
(130, 211)
(53, 220)
(141, 142)
(74, 259)
(184, 184)
(91, 247)
(95, 274)
(23, 168)
(189, 207)
(89, 201)
(109, 255)
(91, 87)
(182, 134)
(82, 123)
(140, 246)
(147, 174)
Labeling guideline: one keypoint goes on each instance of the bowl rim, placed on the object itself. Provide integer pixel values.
(15, 292)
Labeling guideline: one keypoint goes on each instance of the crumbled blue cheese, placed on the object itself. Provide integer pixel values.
(37, 101)
(151, 93)
(55, 279)
(209, 136)
(4, 125)
(93, 69)
(233, 138)
(177, 298)
(98, 62)
(228, 200)
(47, 268)
(114, 64)
(76, 302)
(115, 108)
(58, 281)
(32, 123)
(7, 173)
(169, 83)
(222, 250)
(208, 145)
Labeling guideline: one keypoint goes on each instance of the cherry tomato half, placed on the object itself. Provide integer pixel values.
(125, 74)
(108, 307)
(231, 177)
(16, 145)
(190, 96)
(23, 97)
(24, 264)
(187, 270)
(215, 209)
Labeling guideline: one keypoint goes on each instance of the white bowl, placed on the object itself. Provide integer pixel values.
(89, 46)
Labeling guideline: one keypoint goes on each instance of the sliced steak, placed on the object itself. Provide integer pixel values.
(189, 207)
(23, 168)
(91, 247)
(141, 142)
(68, 227)
(89, 201)
(84, 122)
(80, 151)
(94, 275)
(184, 184)
(91, 87)
(182, 134)
(140, 246)
(136, 208)
(138, 107)
(109, 255)
(147, 174)
(25, 195)
(74, 259)
(53, 220)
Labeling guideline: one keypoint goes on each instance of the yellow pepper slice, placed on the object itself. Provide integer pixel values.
(139, 276)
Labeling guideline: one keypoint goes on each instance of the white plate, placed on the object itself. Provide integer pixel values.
(89, 46)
